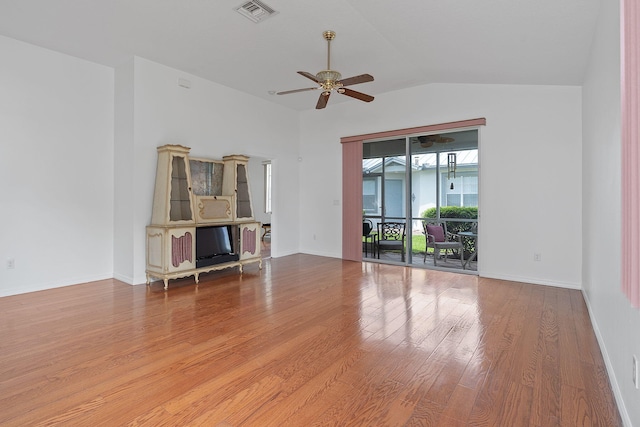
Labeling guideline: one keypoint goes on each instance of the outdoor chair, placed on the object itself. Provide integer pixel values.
(438, 238)
(391, 236)
(369, 238)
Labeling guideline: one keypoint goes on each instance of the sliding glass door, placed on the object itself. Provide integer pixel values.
(438, 184)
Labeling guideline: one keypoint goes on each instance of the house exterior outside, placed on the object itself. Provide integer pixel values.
(430, 180)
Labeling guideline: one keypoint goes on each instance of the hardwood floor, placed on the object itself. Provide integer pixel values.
(306, 341)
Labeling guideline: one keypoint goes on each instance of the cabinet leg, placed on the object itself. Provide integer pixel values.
(260, 264)
(148, 279)
(166, 284)
(240, 268)
(197, 277)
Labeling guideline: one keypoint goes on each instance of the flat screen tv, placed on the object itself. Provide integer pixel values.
(214, 245)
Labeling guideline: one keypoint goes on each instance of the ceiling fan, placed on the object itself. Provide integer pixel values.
(428, 140)
(330, 80)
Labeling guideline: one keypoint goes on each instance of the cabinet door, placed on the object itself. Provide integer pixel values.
(236, 183)
(180, 205)
(214, 209)
(243, 195)
(172, 195)
(250, 240)
(181, 249)
(170, 249)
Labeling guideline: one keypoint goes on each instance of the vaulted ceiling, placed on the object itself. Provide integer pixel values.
(401, 43)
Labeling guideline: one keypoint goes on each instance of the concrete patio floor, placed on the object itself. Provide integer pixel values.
(417, 260)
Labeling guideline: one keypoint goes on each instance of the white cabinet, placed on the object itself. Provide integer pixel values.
(191, 220)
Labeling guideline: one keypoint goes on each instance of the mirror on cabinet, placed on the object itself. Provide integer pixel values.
(206, 177)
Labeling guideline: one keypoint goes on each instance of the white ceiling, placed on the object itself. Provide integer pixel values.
(401, 43)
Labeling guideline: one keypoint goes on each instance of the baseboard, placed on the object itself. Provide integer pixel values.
(531, 280)
(324, 254)
(52, 285)
(607, 362)
(126, 279)
(283, 254)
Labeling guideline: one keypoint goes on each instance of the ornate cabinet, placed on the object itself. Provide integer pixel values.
(199, 207)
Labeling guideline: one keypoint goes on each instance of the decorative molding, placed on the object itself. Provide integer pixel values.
(461, 124)
(154, 250)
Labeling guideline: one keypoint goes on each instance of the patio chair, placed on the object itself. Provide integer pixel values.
(369, 237)
(391, 236)
(438, 238)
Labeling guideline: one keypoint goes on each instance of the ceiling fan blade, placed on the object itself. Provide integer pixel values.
(286, 92)
(358, 95)
(322, 101)
(444, 139)
(309, 76)
(362, 78)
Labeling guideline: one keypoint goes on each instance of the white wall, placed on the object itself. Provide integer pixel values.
(56, 169)
(124, 165)
(214, 121)
(615, 322)
(530, 171)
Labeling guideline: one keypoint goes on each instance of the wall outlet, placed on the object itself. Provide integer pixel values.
(537, 257)
(11, 263)
(635, 372)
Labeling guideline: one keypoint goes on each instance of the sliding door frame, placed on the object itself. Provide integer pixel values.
(352, 178)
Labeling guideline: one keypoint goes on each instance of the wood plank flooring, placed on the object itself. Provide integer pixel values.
(307, 341)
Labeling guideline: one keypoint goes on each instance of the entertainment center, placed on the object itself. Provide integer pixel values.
(202, 218)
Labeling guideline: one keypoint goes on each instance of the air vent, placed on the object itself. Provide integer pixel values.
(255, 10)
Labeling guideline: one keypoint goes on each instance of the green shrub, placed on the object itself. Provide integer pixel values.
(467, 212)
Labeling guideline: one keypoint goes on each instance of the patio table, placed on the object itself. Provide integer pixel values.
(474, 236)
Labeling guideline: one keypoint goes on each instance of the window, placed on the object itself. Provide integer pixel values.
(370, 195)
(267, 187)
(464, 192)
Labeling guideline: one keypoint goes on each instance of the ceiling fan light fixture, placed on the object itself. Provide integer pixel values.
(328, 76)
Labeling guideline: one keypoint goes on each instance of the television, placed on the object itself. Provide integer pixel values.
(214, 245)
